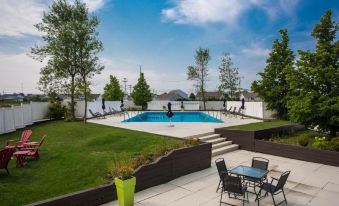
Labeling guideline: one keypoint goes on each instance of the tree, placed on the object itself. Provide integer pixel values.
(112, 90)
(273, 87)
(71, 47)
(199, 72)
(228, 76)
(192, 96)
(141, 92)
(88, 46)
(61, 70)
(315, 82)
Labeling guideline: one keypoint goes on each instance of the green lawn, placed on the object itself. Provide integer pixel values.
(260, 125)
(74, 157)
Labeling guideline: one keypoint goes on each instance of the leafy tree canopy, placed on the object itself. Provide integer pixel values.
(315, 81)
(273, 86)
(141, 92)
(112, 90)
(228, 76)
(199, 71)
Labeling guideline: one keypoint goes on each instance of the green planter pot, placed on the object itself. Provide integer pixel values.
(125, 191)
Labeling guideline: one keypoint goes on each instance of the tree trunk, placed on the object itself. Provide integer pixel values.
(85, 97)
(202, 87)
(72, 99)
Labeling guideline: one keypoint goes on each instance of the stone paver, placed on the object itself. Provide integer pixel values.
(309, 184)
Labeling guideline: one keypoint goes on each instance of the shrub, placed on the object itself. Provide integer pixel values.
(335, 143)
(321, 143)
(56, 110)
(121, 168)
(303, 140)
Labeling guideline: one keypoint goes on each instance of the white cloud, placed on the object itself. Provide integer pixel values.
(17, 17)
(94, 5)
(222, 11)
(255, 51)
(203, 11)
(17, 69)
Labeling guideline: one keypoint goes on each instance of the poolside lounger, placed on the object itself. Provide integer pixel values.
(97, 114)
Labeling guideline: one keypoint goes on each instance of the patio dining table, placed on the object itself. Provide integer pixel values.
(254, 174)
(250, 172)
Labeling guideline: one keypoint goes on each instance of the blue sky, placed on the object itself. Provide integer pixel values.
(162, 36)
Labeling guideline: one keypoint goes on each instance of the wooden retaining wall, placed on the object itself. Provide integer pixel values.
(254, 141)
(175, 164)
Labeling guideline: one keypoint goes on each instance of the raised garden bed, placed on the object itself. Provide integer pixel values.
(177, 163)
(245, 138)
(254, 141)
(298, 152)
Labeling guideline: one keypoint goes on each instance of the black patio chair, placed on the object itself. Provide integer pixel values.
(222, 168)
(235, 188)
(274, 189)
(260, 163)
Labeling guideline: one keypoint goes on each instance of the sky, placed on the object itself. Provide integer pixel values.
(161, 36)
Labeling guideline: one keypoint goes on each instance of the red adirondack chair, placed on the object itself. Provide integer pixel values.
(20, 143)
(5, 157)
(32, 149)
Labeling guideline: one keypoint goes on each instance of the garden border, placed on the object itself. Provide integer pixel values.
(253, 141)
(177, 163)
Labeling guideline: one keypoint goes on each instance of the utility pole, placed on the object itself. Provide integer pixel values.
(125, 81)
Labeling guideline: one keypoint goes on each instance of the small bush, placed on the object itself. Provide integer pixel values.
(335, 144)
(121, 168)
(321, 143)
(56, 110)
(303, 140)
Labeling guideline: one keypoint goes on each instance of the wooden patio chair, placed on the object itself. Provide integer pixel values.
(5, 157)
(32, 149)
(25, 135)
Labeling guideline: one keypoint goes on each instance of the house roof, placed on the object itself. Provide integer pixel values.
(172, 95)
(249, 95)
(214, 94)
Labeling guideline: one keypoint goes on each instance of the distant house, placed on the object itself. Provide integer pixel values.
(249, 96)
(172, 96)
(215, 95)
(12, 97)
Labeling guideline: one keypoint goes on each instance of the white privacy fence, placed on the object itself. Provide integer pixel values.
(15, 117)
(254, 109)
(176, 105)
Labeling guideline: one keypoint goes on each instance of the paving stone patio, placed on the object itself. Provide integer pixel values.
(308, 184)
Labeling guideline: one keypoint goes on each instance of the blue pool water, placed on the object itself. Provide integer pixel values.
(178, 117)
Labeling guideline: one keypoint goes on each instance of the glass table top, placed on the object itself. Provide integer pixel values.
(249, 172)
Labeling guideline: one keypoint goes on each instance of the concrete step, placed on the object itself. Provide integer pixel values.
(212, 136)
(216, 140)
(200, 135)
(221, 144)
(224, 150)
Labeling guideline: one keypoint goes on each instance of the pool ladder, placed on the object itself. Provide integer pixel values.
(130, 114)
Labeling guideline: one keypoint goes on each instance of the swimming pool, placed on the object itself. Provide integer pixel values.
(178, 117)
